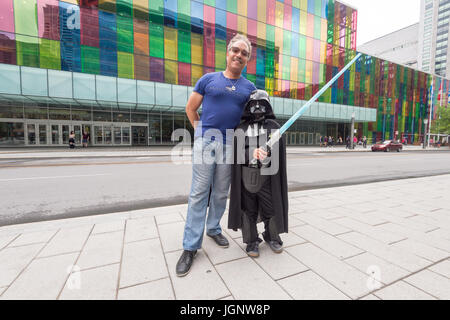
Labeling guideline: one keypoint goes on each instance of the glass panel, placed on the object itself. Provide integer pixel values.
(146, 92)
(84, 86)
(163, 94)
(179, 96)
(60, 84)
(9, 79)
(31, 128)
(167, 128)
(98, 132)
(126, 135)
(34, 82)
(154, 123)
(126, 90)
(77, 130)
(117, 135)
(49, 54)
(106, 88)
(55, 134)
(107, 134)
(11, 134)
(65, 134)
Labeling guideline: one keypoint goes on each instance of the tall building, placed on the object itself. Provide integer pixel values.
(123, 70)
(400, 46)
(433, 37)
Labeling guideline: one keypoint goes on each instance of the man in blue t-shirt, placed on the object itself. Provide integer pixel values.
(224, 95)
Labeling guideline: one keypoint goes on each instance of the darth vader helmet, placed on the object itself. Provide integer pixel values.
(258, 107)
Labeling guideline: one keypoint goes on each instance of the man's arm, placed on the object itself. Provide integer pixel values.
(192, 106)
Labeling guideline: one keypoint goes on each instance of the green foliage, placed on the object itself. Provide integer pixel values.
(442, 123)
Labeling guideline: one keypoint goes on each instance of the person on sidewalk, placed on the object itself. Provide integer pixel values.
(257, 192)
(72, 140)
(86, 138)
(224, 95)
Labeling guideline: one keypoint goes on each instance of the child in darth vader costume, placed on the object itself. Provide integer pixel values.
(259, 189)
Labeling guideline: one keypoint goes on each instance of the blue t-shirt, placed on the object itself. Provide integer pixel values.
(222, 107)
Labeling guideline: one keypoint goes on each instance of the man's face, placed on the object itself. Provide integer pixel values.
(237, 57)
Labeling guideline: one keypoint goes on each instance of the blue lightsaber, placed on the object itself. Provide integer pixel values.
(278, 134)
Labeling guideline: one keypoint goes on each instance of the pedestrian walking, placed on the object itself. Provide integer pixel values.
(86, 138)
(223, 96)
(365, 142)
(347, 141)
(72, 140)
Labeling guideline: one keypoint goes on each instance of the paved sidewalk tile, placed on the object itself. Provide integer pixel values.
(202, 283)
(140, 229)
(43, 279)
(291, 239)
(32, 238)
(441, 233)
(442, 268)
(323, 224)
(421, 250)
(142, 261)
(171, 236)
(111, 226)
(2, 290)
(383, 236)
(329, 243)
(425, 238)
(94, 284)
(398, 257)
(14, 260)
(66, 241)
(220, 255)
(341, 275)
(432, 283)
(277, 266)
(309, 286)
(101, 249)
(247, 281)
(370, 297)
(168, 218)
(386, 272)
(5, 240)
(155, 290)
(402, 291)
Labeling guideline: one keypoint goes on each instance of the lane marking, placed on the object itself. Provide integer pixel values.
(56, 177)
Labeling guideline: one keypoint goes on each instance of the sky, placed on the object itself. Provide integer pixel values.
(378, 18)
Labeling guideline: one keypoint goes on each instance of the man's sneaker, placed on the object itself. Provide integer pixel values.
(275, 246)
(253, 250)
(185, 263)
(220, 240)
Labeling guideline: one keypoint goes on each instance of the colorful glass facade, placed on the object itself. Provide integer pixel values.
(298, 45)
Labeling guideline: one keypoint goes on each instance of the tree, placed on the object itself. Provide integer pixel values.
(442, 123)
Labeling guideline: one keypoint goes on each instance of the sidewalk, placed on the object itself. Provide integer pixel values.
(46, 153)
(388, 240)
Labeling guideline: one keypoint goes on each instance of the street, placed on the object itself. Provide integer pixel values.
(36, 190)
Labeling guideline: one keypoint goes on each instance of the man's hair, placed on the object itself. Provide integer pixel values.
(239, 37)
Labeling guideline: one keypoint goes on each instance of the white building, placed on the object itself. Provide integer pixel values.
(433, 37)
(400, 46)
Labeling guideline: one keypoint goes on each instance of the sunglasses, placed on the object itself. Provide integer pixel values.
(236, 50)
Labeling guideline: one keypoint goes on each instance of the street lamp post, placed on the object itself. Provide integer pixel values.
(425, 121)
(352, 132)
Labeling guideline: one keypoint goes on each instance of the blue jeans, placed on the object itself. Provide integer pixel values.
(215, 175)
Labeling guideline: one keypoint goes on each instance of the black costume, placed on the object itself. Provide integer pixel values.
(256, 197)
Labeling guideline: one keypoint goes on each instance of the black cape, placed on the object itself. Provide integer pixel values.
(279, 185)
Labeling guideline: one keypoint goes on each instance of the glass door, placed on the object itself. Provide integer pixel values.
(42, 134)
(31, 134)
(117, 135)
(107, 134)
(98, 132)
(77, 131)
(55, 133)
(65, 134)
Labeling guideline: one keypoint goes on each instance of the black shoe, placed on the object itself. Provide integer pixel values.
(253, 249)
(220, 240)
(185, 263)
(275, 246)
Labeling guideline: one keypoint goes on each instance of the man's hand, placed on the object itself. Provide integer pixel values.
(260, 154)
